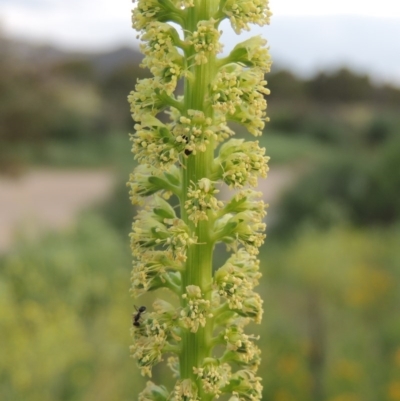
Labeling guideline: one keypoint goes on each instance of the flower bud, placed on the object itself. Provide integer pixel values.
(214, 376)
(153, 392)
(246, 386)
(244, 12)
(197, 309)
(240, 163)
(251, 53)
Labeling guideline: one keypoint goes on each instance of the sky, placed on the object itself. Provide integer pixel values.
(305, 35)
(101, 23)
(381, 8)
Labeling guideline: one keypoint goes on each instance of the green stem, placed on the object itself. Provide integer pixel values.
(197, 346)
(172, 348)
(173, 287)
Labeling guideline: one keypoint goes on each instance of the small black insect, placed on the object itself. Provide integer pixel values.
(187, 151)
(136, 317)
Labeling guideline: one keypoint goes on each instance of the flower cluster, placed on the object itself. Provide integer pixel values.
(238, 93)
(241, 222)
(185, 390)
(205, 40)
(251, 53)
(236, 279)
(240, 347)
(201, 200)
(246, 385)
(214, 376)
(153, 392)
(148, 11)
(195, 131)
(157, 227)
(240, 163)
(162, 57)
(149, 344)
(244, 12)
(184, 148)
(147, 180)
(197, 309)
(153, 270)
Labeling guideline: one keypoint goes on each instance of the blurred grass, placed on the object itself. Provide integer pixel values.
(65, 316)
(114, 150)
(283, 149)
(111, 150)
(331, 330)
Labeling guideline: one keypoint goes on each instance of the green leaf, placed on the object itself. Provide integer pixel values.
(165, 214)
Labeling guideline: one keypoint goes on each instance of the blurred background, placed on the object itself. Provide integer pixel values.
(331, 262)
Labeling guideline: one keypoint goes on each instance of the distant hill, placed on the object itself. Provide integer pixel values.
(108, 61)
(29, 52)
(304, 45)
(41, 55)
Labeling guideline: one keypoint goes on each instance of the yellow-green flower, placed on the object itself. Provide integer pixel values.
(185, 151)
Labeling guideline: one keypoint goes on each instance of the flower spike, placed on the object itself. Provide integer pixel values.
(197, 326)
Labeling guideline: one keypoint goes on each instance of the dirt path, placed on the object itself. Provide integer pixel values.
(279, 178)
(51, 199)
(44, 199)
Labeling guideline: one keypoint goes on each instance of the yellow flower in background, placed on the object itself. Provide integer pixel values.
(348, 370)
(288, 365)
(283, 395)
(346, 397)
(394, 391)
(368, 286)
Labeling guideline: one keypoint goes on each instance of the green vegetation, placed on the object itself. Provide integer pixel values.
(331, 329)
(363, 191)
(285, 150)
(70, 111)
(65, 316)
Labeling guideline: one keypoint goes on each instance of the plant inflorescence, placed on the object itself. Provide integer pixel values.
(185, 151)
